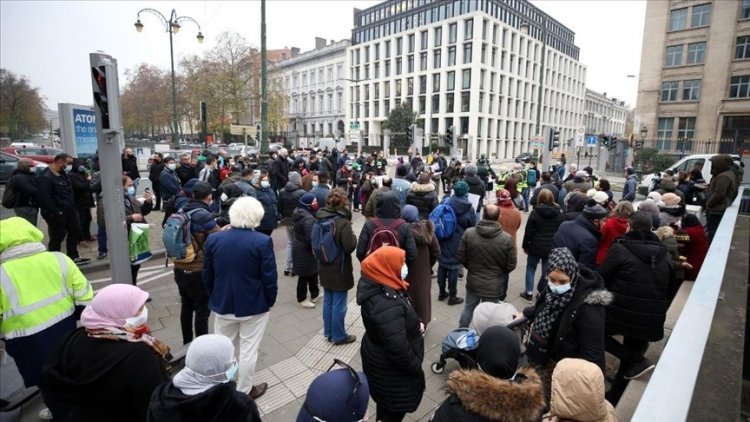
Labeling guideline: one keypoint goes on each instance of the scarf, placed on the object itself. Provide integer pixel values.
(138, 335)
(554, 305)
(384, 267)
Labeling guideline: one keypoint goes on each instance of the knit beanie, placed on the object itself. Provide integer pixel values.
(488, 314)
(410, 213)
(594, 211)
(295, 178)
(401, 171)
(307, 199)
(471, 170)
(670, 199)
(498, 352)
(461, 188)
(503, 198)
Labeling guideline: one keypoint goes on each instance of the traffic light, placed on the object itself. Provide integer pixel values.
(100, 94)
(555, 141)
(449, 136)
(410, 134)
(613, 143)
(605, 141)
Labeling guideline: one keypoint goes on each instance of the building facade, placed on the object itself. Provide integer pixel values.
(603, 115)
(472, 65)
(695, 74)
(315, 82)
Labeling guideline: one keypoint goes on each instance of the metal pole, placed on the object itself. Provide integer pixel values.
(263, 79)
(174, 90)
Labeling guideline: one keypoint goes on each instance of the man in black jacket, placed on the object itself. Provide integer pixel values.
(279, 171)
(157, 165)
(55, 198)
(23, 182)
(388, 212)
(130, 166)
(185, 171)
(546, 184)
(289, 198)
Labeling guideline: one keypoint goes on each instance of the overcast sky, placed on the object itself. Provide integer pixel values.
(49, 42)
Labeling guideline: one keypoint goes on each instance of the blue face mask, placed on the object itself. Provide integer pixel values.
(131, 191)
(231, 373)
(404, 271)
(558, 290)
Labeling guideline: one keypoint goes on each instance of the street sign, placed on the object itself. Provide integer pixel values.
(353, 126)
(78, 130)
(591, 141)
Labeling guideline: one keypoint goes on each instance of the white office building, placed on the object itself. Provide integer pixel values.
(315, 82)
(604, 115)
(473, 65)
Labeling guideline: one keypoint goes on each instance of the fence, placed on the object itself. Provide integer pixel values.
(623, 153)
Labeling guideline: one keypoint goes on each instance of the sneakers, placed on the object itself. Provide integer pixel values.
(350, 338)
(442, 296)
(307, 304)
(101, 256)
(45, 414)
(81, 260)
(258, 390)
(315, 299)
(455, 300)
(527, 296)
(639, 369)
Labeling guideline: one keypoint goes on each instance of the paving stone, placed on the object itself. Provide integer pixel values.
(274, 398)
(310, 356)
(266, 376)
(298, 383)
(320, 343)
(288, 368)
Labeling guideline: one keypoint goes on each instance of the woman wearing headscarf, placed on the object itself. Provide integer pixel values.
(304, 263)
(110, 366)
(568, 317)
(578, 394)
(498, 390)
(392, 348)
(205, 389)
(339, 395)
(420, 271)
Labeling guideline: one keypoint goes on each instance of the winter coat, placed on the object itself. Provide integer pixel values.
(54, 194)
(289, 200)
(130, 167)
(487, 253)
(695, 250)
(267, 198)
(550, 187)
(183, 173)
(402, 187)
(220, 403)
(303, 260)
(132, 206)
(465, 217)
(392, 348)
(581, 237)
(476, 186)
(339, 275)
(424, 198)
(82, 195)
(24, 184)
(612, 229)
(581, 186)
(723, 186)
(169, 184)
(388, 210)
(250, 291)
(578, 394)
(202, 223)
(637, 270)
(479, 397)
(279, 172)
(420, 277)
(154, 172)
(98, 377)
(541, 227)
(580, 327)
(631, 185)
(371, 205)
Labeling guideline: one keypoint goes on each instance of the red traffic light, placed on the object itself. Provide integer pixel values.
(100, 94)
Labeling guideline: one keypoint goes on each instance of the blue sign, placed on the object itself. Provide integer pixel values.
(591, 141)
(84, 132)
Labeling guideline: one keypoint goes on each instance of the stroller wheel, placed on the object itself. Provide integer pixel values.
(437, 368)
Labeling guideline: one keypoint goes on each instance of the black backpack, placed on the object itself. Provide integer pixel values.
(9, 196)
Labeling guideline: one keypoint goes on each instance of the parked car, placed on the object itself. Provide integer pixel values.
(9, 162)
(524, 157)
(43, 154)
(684, 164)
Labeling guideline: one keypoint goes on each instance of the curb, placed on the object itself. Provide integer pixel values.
(95, 265)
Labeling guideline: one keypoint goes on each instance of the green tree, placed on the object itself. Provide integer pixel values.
(649, 160)
(398, 121)
(21, 106)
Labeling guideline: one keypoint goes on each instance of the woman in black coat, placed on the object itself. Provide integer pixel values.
(423, 196)
(541, 227)
(83, 197)
(303, 261)
(393, 347)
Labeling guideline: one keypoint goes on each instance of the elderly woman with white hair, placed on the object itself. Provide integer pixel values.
(241, 280)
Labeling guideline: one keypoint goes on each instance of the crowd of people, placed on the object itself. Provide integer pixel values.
(609, 270)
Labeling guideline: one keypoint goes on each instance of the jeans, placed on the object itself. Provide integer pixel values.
(531, 263)
(307, 282)
(194, 298)
(472, 301)
(334, 313)
(30, 214)
(247, 334)
(289, 240)
(355, 200)
(65, 227)
(712, 224)
(102, 238)
(629, 352)
(452, 276)
(525, 195)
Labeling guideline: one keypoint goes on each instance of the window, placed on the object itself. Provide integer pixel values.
(691, 90)
(376, 108)
(674, 55)
(387, 49)
(387, 89)
(742, 51)
(745, 9)
(423, 61)
(465, 100)
(452, 81)
(399, 46)
(398, 88)
(376, 71)
(466, 79)
(376, 50)
(436, 59)
(452, 28)
(438, 36)
(468, 29)
(695, 52)
(410, 86)
(664, 130)
(435, 82)
(452, 56)
(377, 91)
(701, 15)
(398, 66)
(367, 54)
(436, 103)
(411, 43)
(423, 84)
(423, 40)
(678, 19)
(669, 90)
(467, 53)
(739, 87)
(410, 63)
(449, 100)
(387, 68)
(686, 128)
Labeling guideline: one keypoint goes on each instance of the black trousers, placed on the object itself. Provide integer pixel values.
(385, 415)
(307, 282)
(156, 189)
(84, 216)
(134, 273)
(629, 352)
(65, 227)
(194, 299)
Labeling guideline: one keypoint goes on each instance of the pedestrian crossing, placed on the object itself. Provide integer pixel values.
(145, 275)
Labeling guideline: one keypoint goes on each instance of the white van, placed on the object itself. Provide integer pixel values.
(684, 164)
(330, 143)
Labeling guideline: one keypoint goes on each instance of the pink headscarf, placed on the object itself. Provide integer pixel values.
(112, 306)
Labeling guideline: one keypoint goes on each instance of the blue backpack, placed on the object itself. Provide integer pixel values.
(444, 219)
(178, 241)
(324, 244)
(531, 178)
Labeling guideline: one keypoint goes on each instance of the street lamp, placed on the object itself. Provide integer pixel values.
(644, 133)
(357, 114)
(171, 26)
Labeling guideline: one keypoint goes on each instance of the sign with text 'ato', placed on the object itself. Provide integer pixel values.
(78, 130)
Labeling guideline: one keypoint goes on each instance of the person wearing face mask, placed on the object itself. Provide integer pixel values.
(305, 266)
(130, 165)
(24, 183)
(83, 197)
(111, 365)
(154, 172)
(289, 198)
(393, 345)
(135, 213)
(582, 235)
(55, 198)
(205, 390)
(320, 187)
(267, 197)
(169, 183)
(567, 320)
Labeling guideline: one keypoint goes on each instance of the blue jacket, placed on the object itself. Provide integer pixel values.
(169, 184)
(267, 198)
(321, 194)
(465, 217)
(402, 187)
(239, 272)
(581, 237)
(628, 191)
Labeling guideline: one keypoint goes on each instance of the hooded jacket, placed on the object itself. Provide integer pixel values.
(24, 185)
(387, 210)
(202, 223)
(723, 187)
(581, 237)
(221, 403)
(612, 229)
(637, 270)
(420, 280)
(82, 195)
(465, 217)
(487, 253)
(289, 199)
(541, 226)
(631, 185)
(170, 184)
(578, 394)
(424, 197)
(303, 260)
(339, 275)
(476, 186)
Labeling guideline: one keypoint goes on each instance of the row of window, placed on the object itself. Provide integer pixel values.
(696, 53)
(317, 76)
(605, 110)
(316, 104)
(739, 87)
(701, 16)
(691, 90)
(685, 127)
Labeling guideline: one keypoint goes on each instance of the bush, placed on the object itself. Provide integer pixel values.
(650, 160)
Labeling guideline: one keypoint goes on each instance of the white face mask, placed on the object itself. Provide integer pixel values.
(138, 320)
(265, 184)
(404, 271)
(224, 197)
(172, 166)
(68, 168)
(315, 184)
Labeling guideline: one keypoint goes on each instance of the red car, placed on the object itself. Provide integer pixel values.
(43, 154)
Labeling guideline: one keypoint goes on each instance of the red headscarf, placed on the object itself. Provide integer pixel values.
(384, 267)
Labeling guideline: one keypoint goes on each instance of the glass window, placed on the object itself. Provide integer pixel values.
(739, 87)
(435, 82)
(423, 40)
(423, 61)
(468, 29)
(669, 90)
(409, 86)
(701, 15)
(367, 54)
(422, 105)
(452, 28)
(466, 79)
(410, 63)
(376, 71)
(436, 58)
(438, 36)
(387, 49)
(398, 88)
(449, 100)
(411, 43)
(664, 130)
(742, 51)
(691, 90)
(696, 52)
(387, 68)
(467, 53)
(452, 56)
(678, 19)
(674, 55)
(376, 94)
(399, 46)
(465, 100)
(387, 89)
(423, 84)
(398, 66)
(436, 104)
(745, 9)
(686, 128)
(452, 81)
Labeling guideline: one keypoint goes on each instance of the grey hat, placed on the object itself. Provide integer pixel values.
(471, 170)
(594, 211)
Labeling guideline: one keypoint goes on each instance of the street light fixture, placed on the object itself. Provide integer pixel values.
(171, 26)
(644, 133)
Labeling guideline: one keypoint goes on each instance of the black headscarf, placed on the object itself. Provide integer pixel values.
(498, 352)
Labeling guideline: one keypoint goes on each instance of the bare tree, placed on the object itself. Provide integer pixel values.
(21, 106)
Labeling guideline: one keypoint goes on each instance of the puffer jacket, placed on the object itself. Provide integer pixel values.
(267, 197)
(387, 210)
(723, 187)
(424, 198)
(637, 270)
(487, 253)
(392, 348)
(541, 226)
(578, 394)
(303, 260)
(339, 275)
(479, 397)
(465, 217)
(581, 237)
(24, 183)
(288, 200)
(476, 186)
